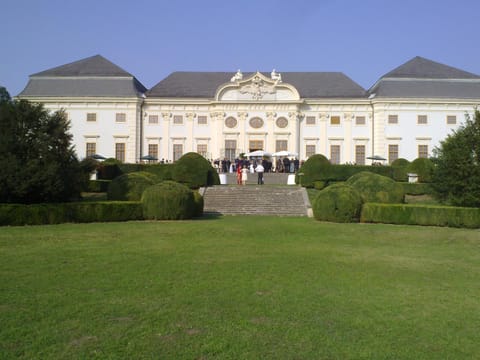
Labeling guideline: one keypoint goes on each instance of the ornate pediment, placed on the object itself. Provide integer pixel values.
(257, 87)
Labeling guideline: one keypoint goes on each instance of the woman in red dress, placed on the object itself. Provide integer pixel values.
(239, 174)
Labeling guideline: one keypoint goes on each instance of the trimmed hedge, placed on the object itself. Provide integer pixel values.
(161, 171)
(168, 200)
(423, 168)
(416, 188)
(337, 203)
(432, 215)
(130, 187)
(42, 214)
(400, 169)
(376, 188)
(194, 171)
(97, 186)
(318, 168)
(198, 200)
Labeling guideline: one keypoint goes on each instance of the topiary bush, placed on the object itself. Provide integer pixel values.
(194, 171)
(312, 168)
(338, 203)
(108, 169)
(423, 167)
(130, 186)
(377, 188)
(400, 169)
(168, 200)
(198, 199)
(319, 185)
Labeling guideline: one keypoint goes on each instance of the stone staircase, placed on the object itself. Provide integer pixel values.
(256, 200)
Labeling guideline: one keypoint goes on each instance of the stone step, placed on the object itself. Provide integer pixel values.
(256, 200)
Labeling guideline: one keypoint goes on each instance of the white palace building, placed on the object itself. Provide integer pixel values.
(406, 113)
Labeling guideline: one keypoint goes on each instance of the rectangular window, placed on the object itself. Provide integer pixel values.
(256, 145)
(120, 151)
(360, 120)
(91, 117)
(423, 151)
(91, 149)
(422, 120)
(451, 120)
(202, 120)
(310, 120)
(334, 120)
(230, 149)
(393, 119)
(335, 154)
(177, 151)
(310, 150)
(153, 119)
(120, 117)
(392, 153)
(153, 150)
(178, 119)
(202, 149)
(360, 154)
(281, 145)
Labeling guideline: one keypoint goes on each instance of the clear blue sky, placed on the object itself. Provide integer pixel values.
(151, 38)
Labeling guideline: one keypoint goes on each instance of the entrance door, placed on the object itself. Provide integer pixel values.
(255, 145)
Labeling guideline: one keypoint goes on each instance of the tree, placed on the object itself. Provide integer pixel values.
(456, 177)
(4, 95)
(37, 160)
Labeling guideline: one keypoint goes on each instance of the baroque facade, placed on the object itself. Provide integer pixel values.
(405, 114)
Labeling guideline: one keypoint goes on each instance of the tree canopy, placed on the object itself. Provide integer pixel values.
(456, 177)
(37, 160)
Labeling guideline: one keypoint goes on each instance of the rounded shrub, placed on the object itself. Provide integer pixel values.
(376, 188)
(338, 203)
(319, 185)
(423, 167)
(194, 171)
(400, 169)
(198, 199)
(130, 186)
(312, 169)
(108, 169)
(168, 200)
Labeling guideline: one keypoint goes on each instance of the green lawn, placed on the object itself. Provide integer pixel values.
(239, 288)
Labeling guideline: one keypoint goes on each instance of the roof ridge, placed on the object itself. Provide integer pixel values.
(420, 67)
(95, 65)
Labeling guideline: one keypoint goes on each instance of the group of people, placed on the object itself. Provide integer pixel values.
(282, 165)
(242, 173)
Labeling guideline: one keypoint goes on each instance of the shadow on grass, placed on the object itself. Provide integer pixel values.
(211, 215)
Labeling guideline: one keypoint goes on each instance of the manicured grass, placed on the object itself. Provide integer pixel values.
(239, 288)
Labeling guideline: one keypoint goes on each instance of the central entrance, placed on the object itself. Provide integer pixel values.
(254, 145)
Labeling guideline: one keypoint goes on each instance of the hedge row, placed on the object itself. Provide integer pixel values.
(97, 186)
(432, 215)
(164, 201)
(334, 173)
(79, 212)
(417, 188)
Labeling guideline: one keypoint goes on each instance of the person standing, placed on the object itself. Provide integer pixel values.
(239, 174)
(260, 169)
(244, 175)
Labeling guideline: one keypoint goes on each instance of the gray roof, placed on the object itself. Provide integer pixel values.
(95, 65)
(308, 84)
(94, 76)
(423, 78)
(428, 89)
(78, 87)
(421, 68)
